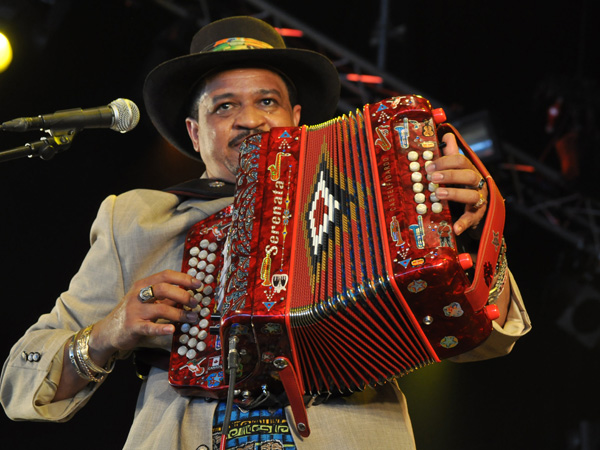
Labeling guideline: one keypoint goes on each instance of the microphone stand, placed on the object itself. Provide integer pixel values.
(45, 148)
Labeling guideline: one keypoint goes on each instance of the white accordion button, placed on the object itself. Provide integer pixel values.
(194, 251)
(182, 350)
(211, 257)
(201, 346)
(204, 243)
(206, 301)
(192, 272)
(207, 290)
(416, 177)
(183, 339)
(203, 323)
(436, 207)
(194, 331)
(202, 265)
(412, 156)
(202, 335)
(421, 209)
(418, 187)
(433, 186)
(434, 198)
(191, 353)
(209, 279)
(427, 155)
(420, 198)
(200, 275)
(203, 254)
(205, 312)
(414, 166)
(212, 247)
(210, 268)
(192, 342)
(193, 262)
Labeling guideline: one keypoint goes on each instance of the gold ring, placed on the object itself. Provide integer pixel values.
(482, 201)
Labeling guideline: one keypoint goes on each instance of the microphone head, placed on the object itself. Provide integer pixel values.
(126, 115)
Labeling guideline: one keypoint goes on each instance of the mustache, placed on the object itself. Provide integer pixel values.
(237, 140)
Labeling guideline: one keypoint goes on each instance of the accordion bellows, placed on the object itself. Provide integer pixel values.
(338, 258)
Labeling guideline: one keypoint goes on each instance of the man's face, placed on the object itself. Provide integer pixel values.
(233, 105)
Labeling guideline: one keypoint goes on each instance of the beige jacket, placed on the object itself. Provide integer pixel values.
(140, 233)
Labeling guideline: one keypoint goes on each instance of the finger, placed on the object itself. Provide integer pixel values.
(172, 294)
(450, 145)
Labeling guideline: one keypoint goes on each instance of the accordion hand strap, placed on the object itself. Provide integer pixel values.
(294, 394)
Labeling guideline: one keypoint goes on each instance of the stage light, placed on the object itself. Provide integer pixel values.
(290, 32)
(367, 79)
(5, 53)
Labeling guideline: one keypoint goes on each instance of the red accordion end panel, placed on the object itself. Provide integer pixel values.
(337, 259)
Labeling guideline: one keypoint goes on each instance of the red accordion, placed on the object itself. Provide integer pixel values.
(336, 267)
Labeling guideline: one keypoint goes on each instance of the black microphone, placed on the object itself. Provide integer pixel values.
(120, 115)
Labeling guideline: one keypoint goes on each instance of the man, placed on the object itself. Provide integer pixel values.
(238, 80)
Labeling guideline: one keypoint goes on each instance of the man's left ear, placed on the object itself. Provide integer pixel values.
(296, 113)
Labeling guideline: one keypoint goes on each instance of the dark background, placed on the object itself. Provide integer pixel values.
(511, 59)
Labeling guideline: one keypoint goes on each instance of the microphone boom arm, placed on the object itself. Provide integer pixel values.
(45, 148)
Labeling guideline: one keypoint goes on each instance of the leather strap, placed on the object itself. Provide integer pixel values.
(203, 188)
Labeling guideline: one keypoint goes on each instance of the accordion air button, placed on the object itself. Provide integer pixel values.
(412, 156)
(421, 209)
(204, 243)
(492, 312)
(465, 261)
(194, 251)
(437, 207)
(416, 177)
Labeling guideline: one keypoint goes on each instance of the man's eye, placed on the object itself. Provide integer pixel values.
(223, 107)
(268, 101)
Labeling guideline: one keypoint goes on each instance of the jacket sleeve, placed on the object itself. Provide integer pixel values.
(502, 339)
(32, 371)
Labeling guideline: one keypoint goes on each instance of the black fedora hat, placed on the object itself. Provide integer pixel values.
(243, 41)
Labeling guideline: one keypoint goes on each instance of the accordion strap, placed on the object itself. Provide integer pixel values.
(294, 394)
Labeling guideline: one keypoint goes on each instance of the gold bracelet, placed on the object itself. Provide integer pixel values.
(80, 347)
(501, 272)
(85, 355)
(73, 358)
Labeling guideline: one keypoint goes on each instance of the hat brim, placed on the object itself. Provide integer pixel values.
(168, 88)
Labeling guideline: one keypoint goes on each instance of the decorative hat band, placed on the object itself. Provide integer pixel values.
(236, 43)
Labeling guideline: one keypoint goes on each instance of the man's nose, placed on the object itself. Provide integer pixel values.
(250, 117)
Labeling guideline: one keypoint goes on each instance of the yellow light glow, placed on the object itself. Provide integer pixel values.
(5, 53)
